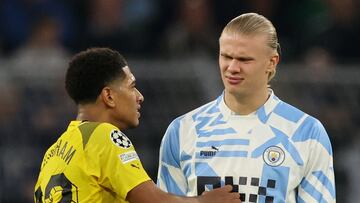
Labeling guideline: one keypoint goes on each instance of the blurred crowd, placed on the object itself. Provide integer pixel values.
(173, 28)
(37, 37)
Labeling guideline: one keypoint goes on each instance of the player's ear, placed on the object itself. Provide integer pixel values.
(107, 96)
(274, 60)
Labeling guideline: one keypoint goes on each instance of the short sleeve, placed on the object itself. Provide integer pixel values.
(115, 160)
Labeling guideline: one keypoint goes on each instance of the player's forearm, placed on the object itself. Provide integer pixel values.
(179, 199)
(147, 192)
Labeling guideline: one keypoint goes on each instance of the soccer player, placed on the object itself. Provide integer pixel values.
(93, 161)
(267, 149)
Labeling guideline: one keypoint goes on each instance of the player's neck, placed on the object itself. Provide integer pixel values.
(246, 104)
(90, 112)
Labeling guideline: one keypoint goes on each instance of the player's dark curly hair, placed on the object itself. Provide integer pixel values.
(90, 71)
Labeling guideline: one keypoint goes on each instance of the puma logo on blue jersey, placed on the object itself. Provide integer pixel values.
(207, 153)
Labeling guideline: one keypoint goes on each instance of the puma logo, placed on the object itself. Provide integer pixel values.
(135, 166)
(215, 148)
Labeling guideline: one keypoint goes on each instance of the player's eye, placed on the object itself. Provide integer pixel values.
(245, 60)
(226, 56)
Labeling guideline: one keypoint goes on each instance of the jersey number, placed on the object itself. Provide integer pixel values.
(57, 183)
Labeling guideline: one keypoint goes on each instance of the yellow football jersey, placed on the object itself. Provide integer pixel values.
(90, 162)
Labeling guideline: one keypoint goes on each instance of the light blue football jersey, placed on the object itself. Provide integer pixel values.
(276, 154)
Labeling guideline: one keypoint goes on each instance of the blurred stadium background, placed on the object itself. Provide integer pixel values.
(172, 48)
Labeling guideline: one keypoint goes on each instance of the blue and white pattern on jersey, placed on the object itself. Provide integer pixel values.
(276, 154)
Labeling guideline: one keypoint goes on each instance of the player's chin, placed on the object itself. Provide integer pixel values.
(135, 123)
(231, 89)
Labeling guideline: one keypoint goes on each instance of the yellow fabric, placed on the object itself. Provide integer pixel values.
(86, 165)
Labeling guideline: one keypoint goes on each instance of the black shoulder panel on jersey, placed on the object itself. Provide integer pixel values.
(86, 130)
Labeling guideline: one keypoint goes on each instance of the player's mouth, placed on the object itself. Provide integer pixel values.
(138, 111)
(232, 80)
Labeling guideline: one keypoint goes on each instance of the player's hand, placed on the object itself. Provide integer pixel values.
(220, 195)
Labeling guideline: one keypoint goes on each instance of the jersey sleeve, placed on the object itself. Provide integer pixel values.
(170, 176)
(115, 161)
(318, 184)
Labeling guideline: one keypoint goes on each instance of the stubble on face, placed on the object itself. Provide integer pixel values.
(243, 61)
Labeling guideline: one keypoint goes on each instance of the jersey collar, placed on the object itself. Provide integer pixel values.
(262, 112)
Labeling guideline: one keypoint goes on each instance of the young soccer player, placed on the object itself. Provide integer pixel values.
(93, 160)
(267, 149)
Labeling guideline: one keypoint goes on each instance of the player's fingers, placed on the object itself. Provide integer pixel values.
(204, 193)
(226, 188)
(235, 195)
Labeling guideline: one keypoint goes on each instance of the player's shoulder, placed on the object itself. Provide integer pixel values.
(289, 112)
(201, 110)
(99, 132)
(187, 119)
(295, 114)
(307, 123)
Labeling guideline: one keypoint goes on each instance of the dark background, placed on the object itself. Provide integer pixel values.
(172, 48)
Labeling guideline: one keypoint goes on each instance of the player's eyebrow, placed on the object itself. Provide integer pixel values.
(244, 58)
(241, 57)
(132, 80)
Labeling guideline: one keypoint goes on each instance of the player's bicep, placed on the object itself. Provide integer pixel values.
(170, 146)
(170, 174)
(318, 184)
(171, 179)
(124, 171)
